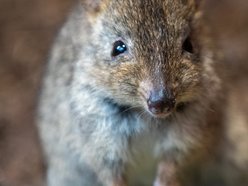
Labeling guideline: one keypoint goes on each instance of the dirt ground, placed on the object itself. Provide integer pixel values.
(27, 28)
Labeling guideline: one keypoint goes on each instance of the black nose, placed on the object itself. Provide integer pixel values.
(160, 102)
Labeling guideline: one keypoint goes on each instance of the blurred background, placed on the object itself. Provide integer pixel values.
(27, 29)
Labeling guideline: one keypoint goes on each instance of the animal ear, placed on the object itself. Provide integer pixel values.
(94, 6)
(199, 3)
(195, 3)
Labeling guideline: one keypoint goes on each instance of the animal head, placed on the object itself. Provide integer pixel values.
(143, 53)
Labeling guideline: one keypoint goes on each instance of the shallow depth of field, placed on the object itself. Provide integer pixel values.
(27, 29)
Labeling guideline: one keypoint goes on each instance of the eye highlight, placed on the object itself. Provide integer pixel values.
(119, 47)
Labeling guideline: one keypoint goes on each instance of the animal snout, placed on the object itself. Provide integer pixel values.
(160, 102)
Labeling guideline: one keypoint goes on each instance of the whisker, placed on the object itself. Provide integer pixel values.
(130, 108)
(141, 114)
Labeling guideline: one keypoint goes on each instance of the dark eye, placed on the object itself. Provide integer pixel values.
(187, 45)
(119, 47)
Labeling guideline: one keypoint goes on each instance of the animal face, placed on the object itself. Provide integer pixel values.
(145, 54)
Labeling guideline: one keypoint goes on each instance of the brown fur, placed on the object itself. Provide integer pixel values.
(100, 121)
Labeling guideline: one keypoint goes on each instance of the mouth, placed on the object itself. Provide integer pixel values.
(160, 115)
(165, 113)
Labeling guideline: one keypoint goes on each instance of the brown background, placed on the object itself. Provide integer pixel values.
(27, 28)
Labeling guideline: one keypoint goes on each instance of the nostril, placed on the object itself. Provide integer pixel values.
(162, 105)
(156, 107)
(171, 103)
(181, 106)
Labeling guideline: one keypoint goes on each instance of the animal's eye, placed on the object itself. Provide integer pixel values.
(188, 46)
(119, 47)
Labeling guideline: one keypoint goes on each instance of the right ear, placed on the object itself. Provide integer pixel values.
(94, 6)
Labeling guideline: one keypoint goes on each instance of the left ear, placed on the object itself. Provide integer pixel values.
(196, 3)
